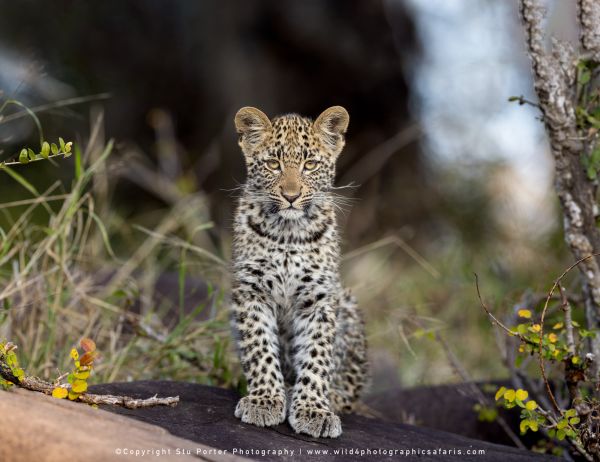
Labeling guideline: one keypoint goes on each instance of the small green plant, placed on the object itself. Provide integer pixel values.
(9, 356)
(47, 152)
(562, 347)
(82, 368)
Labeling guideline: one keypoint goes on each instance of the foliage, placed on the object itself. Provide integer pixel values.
(82, 368)
(8, 355)
(71, 265)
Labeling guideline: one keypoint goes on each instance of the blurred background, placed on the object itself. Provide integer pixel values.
(448, 177)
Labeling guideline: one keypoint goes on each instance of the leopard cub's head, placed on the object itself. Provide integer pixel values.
(290, 159)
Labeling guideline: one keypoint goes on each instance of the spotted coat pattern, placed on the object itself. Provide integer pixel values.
(300, 335)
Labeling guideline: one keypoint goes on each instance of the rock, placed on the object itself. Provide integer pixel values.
(36, 427)
(205, 416)
(453, 411)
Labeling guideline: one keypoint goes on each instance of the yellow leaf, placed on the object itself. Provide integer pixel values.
(533, 425)
(557, 326)
(521, 395)
(500, 393)
(524, 314)
(536, 328)
(575, 359)
(524, 426)
(82, 375)
(74, 354)
(509, 395)
(60, 393)
(79, 386)
(73, 396)
(530, 405)
(553, 337)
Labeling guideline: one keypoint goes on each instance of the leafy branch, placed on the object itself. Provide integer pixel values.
(76, 388)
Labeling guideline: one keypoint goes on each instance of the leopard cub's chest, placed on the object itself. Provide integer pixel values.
(287, 271)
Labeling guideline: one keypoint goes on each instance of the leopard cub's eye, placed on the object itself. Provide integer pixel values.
(273, 164)
(310, 165)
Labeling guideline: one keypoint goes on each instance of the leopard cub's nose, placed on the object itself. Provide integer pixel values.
(290, 197)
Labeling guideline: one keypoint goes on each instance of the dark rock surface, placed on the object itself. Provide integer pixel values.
(453, 411)
(205, 415)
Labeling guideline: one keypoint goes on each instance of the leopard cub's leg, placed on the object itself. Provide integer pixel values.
(312, 349)
(265, 405)
(350, 376)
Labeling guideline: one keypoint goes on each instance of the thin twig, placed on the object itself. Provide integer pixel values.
(55, 105)
(566, 306)
(397, 241)
(540, 346)
(481, 398)
(495, 319)
(39, 385)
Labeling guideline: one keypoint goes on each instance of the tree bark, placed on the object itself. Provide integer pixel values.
(555, 83)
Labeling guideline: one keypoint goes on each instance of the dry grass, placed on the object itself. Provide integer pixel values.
(61, 279)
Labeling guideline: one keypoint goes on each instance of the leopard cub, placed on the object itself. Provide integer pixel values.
(300, 335)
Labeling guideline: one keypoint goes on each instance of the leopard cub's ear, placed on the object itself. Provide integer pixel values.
(330, 127)
(253, 126)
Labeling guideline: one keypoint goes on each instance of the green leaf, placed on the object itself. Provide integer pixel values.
(585, 77)
(61, 142)
(31, 154)
(45, 152)
(574, 420)
(591, 172)
(562, 424)
(54, 148)
(519, 360)
(78, 164)
(23, 156)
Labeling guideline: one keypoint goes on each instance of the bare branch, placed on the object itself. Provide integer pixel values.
(39, 385)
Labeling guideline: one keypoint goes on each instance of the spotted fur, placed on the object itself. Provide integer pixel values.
(300, 335)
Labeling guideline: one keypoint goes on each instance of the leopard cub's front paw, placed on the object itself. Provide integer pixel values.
(263, 411)
(315, 422)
